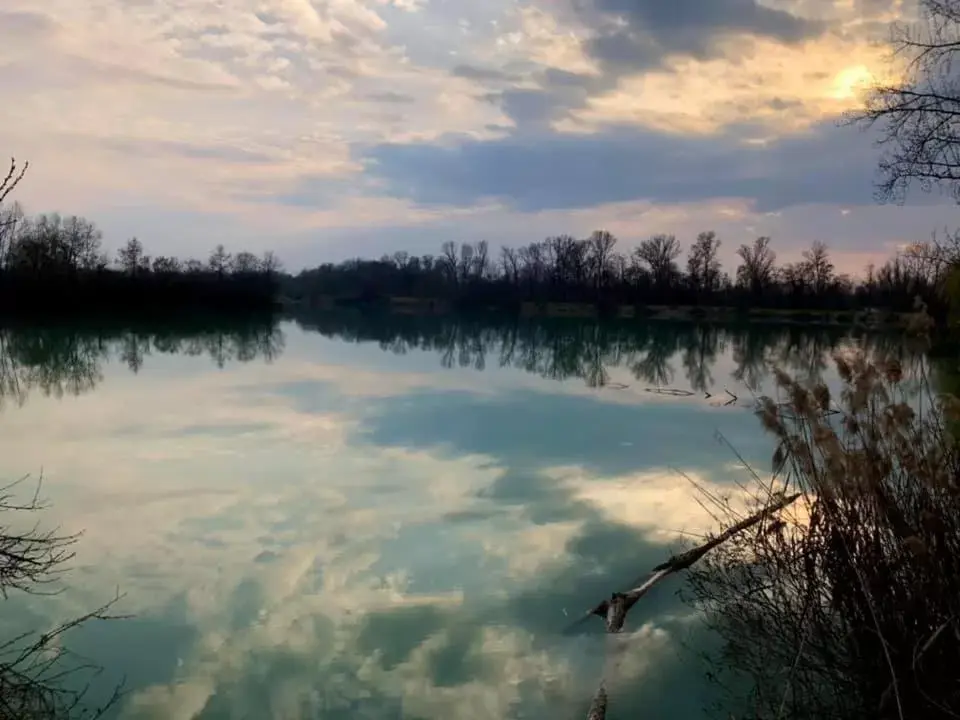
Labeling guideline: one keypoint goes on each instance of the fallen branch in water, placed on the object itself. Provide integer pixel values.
(614, 611)
(675, 392)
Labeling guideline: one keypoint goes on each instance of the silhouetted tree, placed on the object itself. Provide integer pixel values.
(660, 253)
(245, 262)
(818, 267)
(601, 249)
(565, 269)
(917, 114)
(758, 270)
(219, 261)
(132, 259)
(703, 267)
(55, 265)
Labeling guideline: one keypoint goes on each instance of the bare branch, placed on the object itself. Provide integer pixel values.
(12, 179)
(39, 677)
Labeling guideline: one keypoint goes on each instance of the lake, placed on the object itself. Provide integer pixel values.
(348, 516)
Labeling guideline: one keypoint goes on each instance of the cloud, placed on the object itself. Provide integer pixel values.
(282, 79)
(473, 72)
(826, 165)
(647, 31)
(27, 25)
(305, 125)
(779, 88)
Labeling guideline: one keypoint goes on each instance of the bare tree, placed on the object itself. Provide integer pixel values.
(465, 264)
(163, 265)
(131, 258)
(81, 241)
(660, 253)
(703, 267)
(818, 266)
(448, 260)
(919, 114)
(245, 262)
(533, 262)
(193, 266)
(219, 261)
(481, 259)
(12, 220)
(758, 270)
(509, 262)
(270, 263)
(601, 245)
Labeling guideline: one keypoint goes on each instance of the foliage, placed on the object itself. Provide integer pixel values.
(850, 608)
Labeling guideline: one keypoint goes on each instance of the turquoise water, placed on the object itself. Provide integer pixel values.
(357, 518)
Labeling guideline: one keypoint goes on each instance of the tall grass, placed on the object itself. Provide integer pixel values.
(848, 604)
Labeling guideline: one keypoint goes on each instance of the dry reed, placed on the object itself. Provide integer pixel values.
(851, 607)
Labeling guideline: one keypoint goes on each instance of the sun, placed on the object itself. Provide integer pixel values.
(851, 82)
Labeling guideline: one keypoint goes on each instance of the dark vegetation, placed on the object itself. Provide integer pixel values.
(570, 270)
(846, 606)
(50, 265)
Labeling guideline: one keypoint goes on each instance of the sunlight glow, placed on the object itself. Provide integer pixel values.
(851, 82)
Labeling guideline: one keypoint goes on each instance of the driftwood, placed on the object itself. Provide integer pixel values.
(675, 392)
(614, 611)
(679, 392)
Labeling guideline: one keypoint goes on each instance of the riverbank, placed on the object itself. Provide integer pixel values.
(872, 318)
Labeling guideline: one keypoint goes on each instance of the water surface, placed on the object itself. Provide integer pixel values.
(350, 517)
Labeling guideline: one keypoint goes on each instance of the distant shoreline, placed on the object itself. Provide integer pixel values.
(872, 318)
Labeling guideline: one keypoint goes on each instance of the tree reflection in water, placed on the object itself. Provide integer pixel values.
(652, 351)
(68, 360)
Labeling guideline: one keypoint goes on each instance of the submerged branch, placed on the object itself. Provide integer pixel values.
(611, 609)
(614, 611)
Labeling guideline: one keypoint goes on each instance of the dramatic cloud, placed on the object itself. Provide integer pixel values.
(647, 31)
(314, 126)
(572, 171)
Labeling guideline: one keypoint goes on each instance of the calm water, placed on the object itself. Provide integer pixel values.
(348, 518)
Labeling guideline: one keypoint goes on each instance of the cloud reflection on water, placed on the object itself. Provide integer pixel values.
(325, 537)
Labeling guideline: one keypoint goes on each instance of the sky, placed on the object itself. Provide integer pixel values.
(328, 129)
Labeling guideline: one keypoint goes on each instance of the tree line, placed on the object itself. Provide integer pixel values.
(55, 264)
(591, 270)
